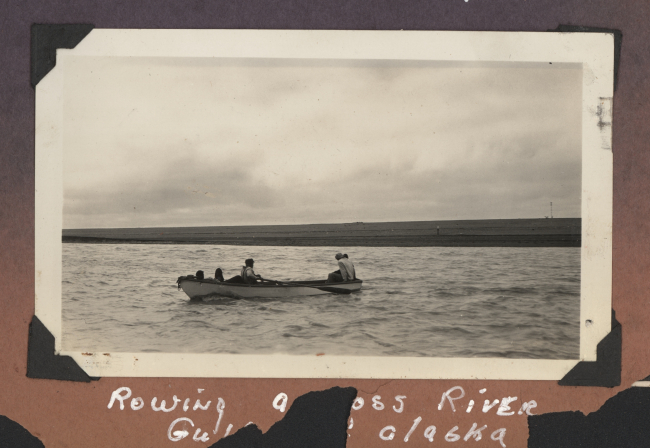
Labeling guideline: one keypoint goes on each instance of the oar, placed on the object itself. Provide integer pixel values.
(322, 288)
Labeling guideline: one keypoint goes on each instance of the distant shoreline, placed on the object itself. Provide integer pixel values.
(550, 232)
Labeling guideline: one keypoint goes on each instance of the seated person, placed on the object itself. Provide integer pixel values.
(345, 272)
(349, 268)
(235, 279)
(218, 275)
(248, 274)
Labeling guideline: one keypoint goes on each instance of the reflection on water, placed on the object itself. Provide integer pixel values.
(428, 301)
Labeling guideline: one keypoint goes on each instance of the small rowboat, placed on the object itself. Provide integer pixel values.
(197, 289)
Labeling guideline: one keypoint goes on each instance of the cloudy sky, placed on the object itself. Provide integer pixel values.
(197, 142)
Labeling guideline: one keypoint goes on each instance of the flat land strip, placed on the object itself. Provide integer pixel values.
(550, 232)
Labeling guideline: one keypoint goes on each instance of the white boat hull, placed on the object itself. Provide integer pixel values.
(199, 289)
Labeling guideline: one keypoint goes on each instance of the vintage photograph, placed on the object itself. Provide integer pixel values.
(315, 207)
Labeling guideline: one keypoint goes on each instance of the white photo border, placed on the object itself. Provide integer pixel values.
(595, 51)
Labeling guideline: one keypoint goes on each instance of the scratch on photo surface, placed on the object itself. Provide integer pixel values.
(604, 113)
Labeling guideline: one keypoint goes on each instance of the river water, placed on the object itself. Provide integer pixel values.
(426, 301)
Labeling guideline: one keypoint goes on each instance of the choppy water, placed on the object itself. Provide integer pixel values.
(429, 301)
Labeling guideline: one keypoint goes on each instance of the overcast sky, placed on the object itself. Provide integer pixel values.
(198, 142)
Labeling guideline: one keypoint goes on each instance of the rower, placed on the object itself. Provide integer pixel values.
(248, 274)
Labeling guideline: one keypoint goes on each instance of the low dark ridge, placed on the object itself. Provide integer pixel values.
(555, 232)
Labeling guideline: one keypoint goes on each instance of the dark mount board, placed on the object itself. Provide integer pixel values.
(606, 370)
(618, 41)
(46, 39)
(621, 422)
(13, 434)
(43, 363)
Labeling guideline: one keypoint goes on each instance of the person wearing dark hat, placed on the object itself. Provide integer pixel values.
(248, 274)
(345, 272)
